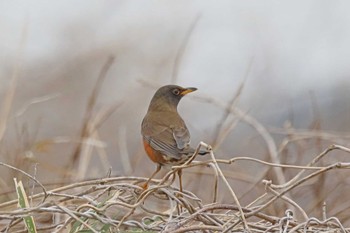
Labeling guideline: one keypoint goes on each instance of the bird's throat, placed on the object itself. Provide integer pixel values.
(159, 106)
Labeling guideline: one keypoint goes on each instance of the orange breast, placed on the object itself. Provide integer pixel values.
(154, 155)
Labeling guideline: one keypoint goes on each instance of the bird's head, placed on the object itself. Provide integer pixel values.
(169, 96)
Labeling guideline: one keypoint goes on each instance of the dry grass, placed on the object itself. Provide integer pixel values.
(119, 203)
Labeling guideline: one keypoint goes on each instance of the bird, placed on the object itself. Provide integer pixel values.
(166, 138)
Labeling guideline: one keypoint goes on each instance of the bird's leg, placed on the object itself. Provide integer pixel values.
(179, 195)
(179, 173)
(145, 185)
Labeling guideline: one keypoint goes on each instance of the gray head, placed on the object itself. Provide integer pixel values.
(168, 97)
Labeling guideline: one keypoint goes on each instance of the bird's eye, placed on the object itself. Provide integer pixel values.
(176, 91)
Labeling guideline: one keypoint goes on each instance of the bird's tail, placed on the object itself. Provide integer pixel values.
(201, 152)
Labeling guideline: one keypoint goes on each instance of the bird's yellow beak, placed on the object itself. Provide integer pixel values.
(188, 90)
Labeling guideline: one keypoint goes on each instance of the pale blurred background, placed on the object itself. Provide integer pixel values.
(293, 56)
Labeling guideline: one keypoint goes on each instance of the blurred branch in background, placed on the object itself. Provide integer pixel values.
(16, 73)
(83, 151)
(222, 129)
(36, 100)
(260, 129)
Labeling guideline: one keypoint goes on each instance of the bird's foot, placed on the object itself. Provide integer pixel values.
(144, 186)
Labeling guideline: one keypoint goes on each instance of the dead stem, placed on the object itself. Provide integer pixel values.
(120, 204)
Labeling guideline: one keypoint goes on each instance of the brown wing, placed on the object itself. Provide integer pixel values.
(182, 137)
(172, 141)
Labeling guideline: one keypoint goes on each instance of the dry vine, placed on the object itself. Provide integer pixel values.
(119, 203)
